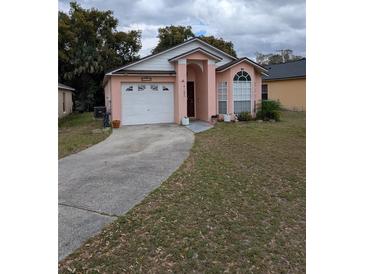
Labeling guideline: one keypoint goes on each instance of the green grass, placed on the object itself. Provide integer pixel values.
(75, 133)
(237, 204)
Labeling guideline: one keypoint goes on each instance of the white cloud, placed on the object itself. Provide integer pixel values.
(63, 6)
(149, 36)
(252, 25)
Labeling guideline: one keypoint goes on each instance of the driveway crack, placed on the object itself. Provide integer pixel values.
(90, 210)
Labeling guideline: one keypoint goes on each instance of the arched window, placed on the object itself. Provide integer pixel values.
(242, 76)
(241, 92)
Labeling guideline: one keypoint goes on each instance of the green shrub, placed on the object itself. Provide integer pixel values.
(244, 116)
(275, 115)
(259, 115)
(269, 109)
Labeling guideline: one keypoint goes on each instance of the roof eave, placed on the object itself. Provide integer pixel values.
(140, 72)
(126, 73)
(67, 88)
(202, 51)
(284, 78)
(105, 81)
(262, 68)
(167, 50)
(245, 59)
(221, 51)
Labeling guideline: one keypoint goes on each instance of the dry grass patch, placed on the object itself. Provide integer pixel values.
(79, 131)
(237, 204)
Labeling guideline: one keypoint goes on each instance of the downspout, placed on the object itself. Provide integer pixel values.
(111, 98)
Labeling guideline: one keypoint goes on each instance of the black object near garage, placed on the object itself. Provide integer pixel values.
(99, 111)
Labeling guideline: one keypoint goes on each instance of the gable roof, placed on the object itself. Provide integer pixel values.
(294, 69)
(243, 59)
(110, 72)
(199, 49)
(149, 72)
(62, 86)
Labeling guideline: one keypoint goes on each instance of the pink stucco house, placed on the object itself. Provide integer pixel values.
(192, 79)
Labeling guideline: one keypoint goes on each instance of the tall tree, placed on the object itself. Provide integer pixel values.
(226, 46)
(284, 55)
(171, 36)
(88, 45)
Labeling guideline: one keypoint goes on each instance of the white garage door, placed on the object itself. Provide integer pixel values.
(147, 103)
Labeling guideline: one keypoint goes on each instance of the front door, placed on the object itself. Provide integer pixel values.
(190, 99)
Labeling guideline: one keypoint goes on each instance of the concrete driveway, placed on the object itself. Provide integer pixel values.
(105, 181)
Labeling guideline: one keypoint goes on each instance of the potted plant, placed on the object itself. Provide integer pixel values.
(185, 121)
(214, 119)
(116, 123)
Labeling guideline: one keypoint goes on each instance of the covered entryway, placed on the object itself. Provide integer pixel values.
(147, 103)
(196, 89)
(195, 83)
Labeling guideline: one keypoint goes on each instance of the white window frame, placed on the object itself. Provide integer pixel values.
(242, 90)
(222, 95)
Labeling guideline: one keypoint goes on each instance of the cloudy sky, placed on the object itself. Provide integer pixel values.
(252, 25)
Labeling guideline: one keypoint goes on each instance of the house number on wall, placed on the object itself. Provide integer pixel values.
(146, 78)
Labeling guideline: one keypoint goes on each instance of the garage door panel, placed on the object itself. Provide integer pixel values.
(147, 106)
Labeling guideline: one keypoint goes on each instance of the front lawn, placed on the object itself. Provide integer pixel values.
(79, 131)
(237, 204)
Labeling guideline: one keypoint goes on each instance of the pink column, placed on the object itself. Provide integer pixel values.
(180, 91)
(211, 91)
(116, 98)
(229, 79)
(257, 92)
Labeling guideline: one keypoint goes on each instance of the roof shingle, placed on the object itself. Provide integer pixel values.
(294, 69)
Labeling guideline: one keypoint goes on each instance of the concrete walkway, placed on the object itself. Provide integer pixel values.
(103, 182)
(197, 126)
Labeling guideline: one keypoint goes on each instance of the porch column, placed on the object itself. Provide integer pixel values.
(211, 91)
(230, 93)
(180, 93)
(230, 103)
(257, 92)
(116, 98)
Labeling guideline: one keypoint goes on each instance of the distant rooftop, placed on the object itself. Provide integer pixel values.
(293, 69)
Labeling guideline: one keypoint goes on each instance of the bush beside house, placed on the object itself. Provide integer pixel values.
(269, 110)
(244, 116)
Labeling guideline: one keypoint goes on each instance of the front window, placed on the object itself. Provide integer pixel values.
(264, 92)
(141, 87)
(154, 87)
(129, 88)
(242, 92)
(222, 98)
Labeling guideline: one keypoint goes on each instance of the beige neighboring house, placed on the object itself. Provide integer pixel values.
(286, 83)
(65, 103)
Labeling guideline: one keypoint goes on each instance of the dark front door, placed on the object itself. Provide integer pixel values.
(190, 100)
